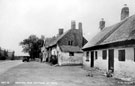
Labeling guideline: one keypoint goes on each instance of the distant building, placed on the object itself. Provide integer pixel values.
(113, 48)
(6, 55)
(66, 47)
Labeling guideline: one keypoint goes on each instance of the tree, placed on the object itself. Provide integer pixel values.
(3, 55)
(32, 45)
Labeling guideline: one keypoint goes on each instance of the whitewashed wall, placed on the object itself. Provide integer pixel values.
(86, 64)
(100, 62)
(64, 58)
(44, 53)
(124, 68)
(121, 68)
(54, 51)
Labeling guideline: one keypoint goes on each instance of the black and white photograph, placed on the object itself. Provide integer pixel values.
(67, 43)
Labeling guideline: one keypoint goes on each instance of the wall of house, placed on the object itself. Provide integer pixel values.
(64, 58)
(44, 53)
(99, 62)
(121, 68)
(124, 68)
(54, 51)
(86, 64)
(59, 54)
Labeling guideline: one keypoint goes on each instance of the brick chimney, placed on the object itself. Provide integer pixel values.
(73, 24)
(80, 28)
(102, 24)
(61, 30)
(81, 34)
(124, 12)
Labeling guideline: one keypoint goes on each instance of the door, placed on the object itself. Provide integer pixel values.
(92, 59)
(111, 60)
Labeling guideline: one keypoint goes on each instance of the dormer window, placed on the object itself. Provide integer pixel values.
(70, 42)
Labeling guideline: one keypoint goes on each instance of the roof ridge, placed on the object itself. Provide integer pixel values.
(110, 32)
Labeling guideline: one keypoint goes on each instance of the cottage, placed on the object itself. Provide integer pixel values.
(113, 48)
(66, 47)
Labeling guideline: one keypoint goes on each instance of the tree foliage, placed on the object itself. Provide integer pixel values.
(32, 45)
(3, 54)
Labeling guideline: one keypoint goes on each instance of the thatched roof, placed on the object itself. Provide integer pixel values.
(122, 31)
(66, 48)
(52, 41)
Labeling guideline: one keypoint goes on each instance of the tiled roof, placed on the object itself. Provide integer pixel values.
(122, 31)
(66, 48)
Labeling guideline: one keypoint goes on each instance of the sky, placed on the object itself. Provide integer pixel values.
(21, 18)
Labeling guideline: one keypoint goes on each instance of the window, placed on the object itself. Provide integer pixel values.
(70, 42)
(104, 54)
(134, 54)
(96, 55)
(71, 53)
(121, 55)
(87, 56)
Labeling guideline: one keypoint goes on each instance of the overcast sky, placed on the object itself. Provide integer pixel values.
(21, 18)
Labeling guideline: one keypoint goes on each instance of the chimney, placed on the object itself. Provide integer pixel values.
(73, 24)
(124, 12)
(61, 30)
(80, 28)
(81, 34)
(102, 24)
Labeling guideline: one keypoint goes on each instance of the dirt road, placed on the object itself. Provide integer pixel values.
(42, 74)
(6, 65)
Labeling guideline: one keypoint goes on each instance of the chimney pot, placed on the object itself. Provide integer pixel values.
(61, 30)
(80, 27)
(73, 24)
(124, 12)
(102, 24)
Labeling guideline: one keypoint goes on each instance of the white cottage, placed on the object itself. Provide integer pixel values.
(113, 48)
(65, 48)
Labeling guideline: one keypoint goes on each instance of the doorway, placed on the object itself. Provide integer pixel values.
(92, 59)
(111, 60)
